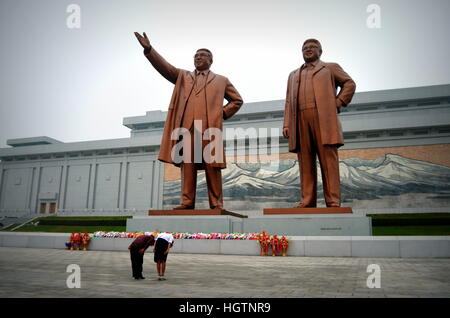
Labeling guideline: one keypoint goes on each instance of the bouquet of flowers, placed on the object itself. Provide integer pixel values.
(278, 245)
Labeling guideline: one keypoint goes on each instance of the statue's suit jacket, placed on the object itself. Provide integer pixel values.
(326, 78)
(217, 88)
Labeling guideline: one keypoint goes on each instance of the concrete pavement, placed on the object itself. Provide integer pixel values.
(29, 272)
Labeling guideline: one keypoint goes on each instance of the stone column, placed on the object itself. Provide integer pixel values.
(63, 186)
(123, 183)
(1, 183)
(92, 182)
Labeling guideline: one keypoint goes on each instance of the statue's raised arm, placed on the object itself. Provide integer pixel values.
(167, 70)
(145, 42)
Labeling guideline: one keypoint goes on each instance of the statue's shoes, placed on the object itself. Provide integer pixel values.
(302, 205)
(184, 207)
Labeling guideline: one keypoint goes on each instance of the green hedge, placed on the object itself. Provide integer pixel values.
(377, 220)
(410, 219)
(397, 222)
(84, 221)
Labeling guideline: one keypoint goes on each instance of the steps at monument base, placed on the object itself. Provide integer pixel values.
(309, 246)
(9, 221)
(306, 225)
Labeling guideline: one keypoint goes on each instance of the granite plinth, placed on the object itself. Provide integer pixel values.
(194, 212)
(185, 223)
(299, 224)
(310, 224)
(331, 210)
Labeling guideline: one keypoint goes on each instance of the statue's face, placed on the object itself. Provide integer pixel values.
(202, 60)
(311, 52)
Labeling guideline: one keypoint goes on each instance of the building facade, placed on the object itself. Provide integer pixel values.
(396, 157)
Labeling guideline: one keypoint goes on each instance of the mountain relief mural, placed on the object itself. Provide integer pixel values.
(391, 181)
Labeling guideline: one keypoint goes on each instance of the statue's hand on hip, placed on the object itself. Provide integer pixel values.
(338, 105)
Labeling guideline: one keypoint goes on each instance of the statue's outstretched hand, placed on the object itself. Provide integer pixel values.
(145, 42)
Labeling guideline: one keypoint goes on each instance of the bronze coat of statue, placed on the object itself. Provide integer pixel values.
(197, 95)
(312, 125)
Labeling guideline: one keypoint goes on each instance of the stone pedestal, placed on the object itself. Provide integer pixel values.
(296, 211)
(185, 223)
(193, 212)
(311, 222)
(345, 224)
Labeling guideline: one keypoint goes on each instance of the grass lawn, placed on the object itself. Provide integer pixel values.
(418, 230)
(410, 224)
(84, 218)
(410, 215)
(82, 224)
(69, 229)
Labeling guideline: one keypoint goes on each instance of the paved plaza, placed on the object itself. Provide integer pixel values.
(28, 272)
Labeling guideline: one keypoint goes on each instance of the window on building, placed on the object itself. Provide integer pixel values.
(429, 103)
(365, 108)
(396, 133)
(444, 130)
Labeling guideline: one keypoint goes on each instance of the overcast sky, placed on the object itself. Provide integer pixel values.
(77, 84)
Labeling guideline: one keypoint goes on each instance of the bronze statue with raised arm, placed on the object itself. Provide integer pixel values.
(196, 106)
(312, 125)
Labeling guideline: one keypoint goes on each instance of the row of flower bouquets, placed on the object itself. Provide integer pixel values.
(195, 236)
(278, 245)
